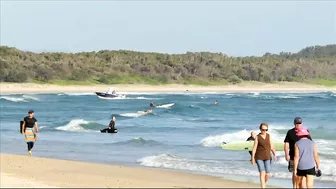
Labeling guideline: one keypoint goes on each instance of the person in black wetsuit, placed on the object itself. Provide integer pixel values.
(111, 128)
(251, 138)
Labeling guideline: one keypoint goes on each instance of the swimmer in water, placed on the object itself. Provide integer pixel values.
(216, 102)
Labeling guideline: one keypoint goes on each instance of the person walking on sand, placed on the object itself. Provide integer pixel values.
(305, 158)
(261, 153)
(29, 123)
(290, 140)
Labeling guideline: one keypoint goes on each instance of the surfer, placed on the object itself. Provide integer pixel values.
(29, 123)
(111, 128)
(290, 140)
(152, 104)
(305, 158)
(261, 153)
(251, 138)
(216, 102)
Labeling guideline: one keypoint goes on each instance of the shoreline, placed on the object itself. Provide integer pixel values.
(16, 171)
(33, 88)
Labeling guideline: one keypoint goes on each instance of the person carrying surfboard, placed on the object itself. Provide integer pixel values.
(29, 123)
(261, 153)
(290, 140)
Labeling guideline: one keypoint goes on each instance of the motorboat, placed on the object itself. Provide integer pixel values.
(110, 94)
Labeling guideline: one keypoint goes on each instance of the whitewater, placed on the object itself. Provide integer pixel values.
(185, 136)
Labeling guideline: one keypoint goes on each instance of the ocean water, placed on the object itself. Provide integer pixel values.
(184, 137)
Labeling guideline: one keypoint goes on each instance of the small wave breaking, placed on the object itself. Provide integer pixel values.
(23, 98)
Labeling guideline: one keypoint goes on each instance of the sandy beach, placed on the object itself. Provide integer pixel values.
(24, 171)
(15, 88)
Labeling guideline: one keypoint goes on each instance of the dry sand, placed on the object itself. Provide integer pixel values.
(24, 171)
(12, 88)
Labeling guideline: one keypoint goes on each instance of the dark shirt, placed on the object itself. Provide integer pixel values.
(29, 122)
(291, 138)
(112, 125)
(250, 138)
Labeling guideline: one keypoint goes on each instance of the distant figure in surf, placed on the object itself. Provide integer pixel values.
(29, 123)
(216, 102)
(251, 138)
(111, 128)
(152, 104)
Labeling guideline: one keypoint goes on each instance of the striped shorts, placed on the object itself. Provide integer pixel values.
(30, 135)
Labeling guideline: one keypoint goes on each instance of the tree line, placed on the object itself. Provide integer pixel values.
(123, 66)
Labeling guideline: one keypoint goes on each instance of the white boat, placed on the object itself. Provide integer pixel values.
(110, 94)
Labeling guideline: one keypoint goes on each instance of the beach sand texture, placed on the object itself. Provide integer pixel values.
(13, 88)
(24, 171)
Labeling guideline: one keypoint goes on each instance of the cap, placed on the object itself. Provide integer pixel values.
(302, 131)
(297, 120)
(31, 111)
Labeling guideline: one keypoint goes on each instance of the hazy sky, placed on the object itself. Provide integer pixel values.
(237, 28)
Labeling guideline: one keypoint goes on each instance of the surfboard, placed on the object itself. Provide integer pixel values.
(247, 146)
(166, 105)
(109, 131)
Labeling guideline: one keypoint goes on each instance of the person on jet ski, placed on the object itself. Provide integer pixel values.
(111, 128)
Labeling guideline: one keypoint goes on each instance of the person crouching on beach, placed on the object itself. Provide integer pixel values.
(261, 153)
(305, 158)
(29, 122)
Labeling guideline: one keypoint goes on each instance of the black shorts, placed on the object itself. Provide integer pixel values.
(306, 172)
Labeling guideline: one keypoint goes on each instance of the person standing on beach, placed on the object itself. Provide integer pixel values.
(261, 153)
(305, 158)
(290, 140)
(29, 123)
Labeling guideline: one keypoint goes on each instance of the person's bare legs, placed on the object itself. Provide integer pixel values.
(262, 179)
(303, 183)
(310, 181)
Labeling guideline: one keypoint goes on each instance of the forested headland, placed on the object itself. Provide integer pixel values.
(315, 64)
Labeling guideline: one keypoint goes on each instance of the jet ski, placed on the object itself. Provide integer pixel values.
(110, 94)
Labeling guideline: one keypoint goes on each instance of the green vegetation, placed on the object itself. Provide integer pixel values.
(310, 65)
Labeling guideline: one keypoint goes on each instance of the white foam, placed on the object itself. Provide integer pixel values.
(30, 97)
(77, 94)
(13, 99)
(23, 98)
(213, 166)
(74, 125)
(138, 114)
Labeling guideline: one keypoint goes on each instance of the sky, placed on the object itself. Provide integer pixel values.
(236, 28)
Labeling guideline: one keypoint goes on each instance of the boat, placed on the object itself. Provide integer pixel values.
(110, 94)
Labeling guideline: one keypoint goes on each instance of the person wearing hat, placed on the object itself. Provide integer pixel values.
(305, 158)
(111, 128)
(290, 140)
(29, 123)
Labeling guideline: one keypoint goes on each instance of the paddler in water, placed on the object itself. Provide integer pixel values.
(111, 128)
(29, 123)
(216, 102)
(152, 104)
